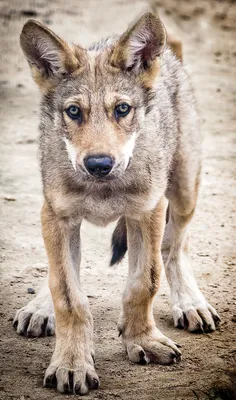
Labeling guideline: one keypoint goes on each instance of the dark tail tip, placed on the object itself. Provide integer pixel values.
(168, 214)
(119, 242)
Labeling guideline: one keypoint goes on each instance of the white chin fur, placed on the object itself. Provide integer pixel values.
(72, 152)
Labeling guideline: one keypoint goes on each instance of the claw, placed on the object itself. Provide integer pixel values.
(178, 345)
(15, 323)
(180, 323)
(92, 382)
(142, 360)
(51, 381)
(66, 388)
(217, 319)
(174, 359)
(77, 389)
(207, 327)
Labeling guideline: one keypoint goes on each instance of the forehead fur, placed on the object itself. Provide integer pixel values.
(128, 63)
(98, 78)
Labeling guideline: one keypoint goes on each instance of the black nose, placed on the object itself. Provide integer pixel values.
(98, 165)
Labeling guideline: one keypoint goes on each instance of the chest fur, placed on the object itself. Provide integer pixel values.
(101, 208)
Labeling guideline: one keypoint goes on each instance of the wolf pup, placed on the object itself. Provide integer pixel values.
(118, 135)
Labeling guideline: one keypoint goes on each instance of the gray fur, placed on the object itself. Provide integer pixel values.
(156, 150)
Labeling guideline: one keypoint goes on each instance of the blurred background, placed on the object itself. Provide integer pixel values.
(207, 30)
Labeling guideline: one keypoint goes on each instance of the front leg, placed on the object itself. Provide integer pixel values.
(72, 363)
(142, 340)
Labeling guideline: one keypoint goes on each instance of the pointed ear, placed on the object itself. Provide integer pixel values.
(141, 46)
(49, 57)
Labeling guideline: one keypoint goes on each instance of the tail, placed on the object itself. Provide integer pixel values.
(168, 214)
(119, 242)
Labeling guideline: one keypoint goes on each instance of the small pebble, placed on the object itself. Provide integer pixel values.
(31, 290)
(29, 13)
(9, 198)
(233, 318)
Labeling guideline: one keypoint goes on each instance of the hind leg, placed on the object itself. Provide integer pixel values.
(37, 317)
(189, 306)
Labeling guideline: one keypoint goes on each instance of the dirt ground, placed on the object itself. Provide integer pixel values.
(208, 32)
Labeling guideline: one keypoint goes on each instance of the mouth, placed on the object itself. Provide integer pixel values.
(114, 175)
(102, 180)
(86, 177)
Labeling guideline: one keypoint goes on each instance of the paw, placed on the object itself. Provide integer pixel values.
(189, 307)
(152, 347)
(197, 317)
(35, 319)
(70, 374)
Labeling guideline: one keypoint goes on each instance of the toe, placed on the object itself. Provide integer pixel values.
(66, 388)
(50, 379)
(214, 314)
(194, 321)
(92, 380)
(37, 325)
(77, 389)
(50, 327)
(178, 317)
(169, 343)
(137, 354)
(80, 389)
(208, 322)
(80, 384)
(160, 354)
(63, 384)
(23, 322)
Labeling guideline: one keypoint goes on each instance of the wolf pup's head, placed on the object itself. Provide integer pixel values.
(98, 96)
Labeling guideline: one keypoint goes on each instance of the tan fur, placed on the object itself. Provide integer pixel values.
(138, 296)
(86, 138)
(141, 338)
(73, 318)
(67, 58)
(120, 54)
(176, 46)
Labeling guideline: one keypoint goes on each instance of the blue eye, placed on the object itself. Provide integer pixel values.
(74, 112)
(121, 110)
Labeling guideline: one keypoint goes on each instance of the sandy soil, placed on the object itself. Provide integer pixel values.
(207, 29)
